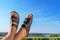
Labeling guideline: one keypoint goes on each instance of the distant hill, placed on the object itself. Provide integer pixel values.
(2, 34)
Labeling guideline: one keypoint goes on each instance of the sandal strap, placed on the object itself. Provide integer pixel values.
(24, 26)
(27, 20)
(14, 25)
(14, 19)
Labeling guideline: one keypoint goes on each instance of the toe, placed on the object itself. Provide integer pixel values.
(14, 13)
(29, 16)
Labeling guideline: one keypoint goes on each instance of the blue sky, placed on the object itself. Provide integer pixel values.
(46, 14)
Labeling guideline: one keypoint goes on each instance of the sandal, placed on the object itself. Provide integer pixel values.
(27, 23)
(14, 19)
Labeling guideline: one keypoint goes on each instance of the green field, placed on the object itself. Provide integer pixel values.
(42, 37)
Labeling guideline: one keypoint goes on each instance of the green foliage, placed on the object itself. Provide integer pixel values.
(40, 35)
(27, 39)
(54, 35)
(35, 39)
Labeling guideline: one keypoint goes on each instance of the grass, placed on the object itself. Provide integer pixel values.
(42, 38)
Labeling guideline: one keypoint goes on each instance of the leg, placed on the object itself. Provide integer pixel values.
(24, 30)
(10, 34)
(13, 27)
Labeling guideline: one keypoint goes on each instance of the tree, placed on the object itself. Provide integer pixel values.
(38, 37)
(54, 37)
